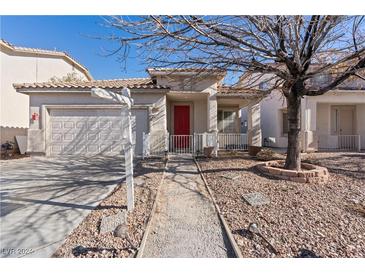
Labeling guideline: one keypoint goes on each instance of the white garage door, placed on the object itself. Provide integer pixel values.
(85, 131)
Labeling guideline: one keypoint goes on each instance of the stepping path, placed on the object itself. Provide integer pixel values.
(185, 223)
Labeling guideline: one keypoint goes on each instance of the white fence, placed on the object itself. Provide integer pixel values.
(339, 142)
(202, 140)
(191, 144)
(232, 141)
(158, 145)
(181, 144)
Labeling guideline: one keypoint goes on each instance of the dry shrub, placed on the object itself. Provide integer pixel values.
(266, 154)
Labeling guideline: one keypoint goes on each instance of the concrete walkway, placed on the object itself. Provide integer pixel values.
(186, 223)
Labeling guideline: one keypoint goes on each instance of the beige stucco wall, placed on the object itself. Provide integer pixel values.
(323, 116)
(271, 118)
(41, 102)
(14, 107)
(158, 121)
(203, 110)
(188, 83)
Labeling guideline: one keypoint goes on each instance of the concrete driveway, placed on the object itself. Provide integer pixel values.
(44, 199)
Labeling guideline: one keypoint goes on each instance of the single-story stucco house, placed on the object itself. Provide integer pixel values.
(174, 110)
(24, 64)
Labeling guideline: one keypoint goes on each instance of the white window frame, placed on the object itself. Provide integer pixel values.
(223, 121)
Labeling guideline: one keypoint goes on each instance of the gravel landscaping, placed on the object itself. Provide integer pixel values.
(86, 241)
(301, 219)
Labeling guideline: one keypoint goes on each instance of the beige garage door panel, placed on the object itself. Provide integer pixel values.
(85, 131)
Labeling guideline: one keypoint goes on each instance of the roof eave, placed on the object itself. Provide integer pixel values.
(29, 90)
(154, 72)
(240, 95)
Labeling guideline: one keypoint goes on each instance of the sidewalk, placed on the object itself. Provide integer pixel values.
(185, 223)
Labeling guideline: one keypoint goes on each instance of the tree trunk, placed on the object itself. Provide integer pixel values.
(293, 151)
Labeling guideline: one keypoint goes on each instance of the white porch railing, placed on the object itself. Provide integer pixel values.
(339, 142)
(157, 145)
(202, 140)
(181, 144)
(232, 141)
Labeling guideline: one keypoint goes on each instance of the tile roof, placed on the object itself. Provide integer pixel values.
(133, 83)
(187, 70)
(237, 91)
(62, 54)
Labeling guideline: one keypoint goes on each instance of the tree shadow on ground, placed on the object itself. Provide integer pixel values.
(306, 253)
(347, 164)
(43, 194)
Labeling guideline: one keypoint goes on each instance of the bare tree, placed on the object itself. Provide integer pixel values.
(291, 52)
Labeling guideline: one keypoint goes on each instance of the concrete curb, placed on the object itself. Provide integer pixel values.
(140, 250)
(227, 229)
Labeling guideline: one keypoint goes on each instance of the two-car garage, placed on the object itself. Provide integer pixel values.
(65, 119)
(92, 131)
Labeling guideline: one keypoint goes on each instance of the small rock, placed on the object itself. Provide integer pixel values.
(139, 181)
(257, 246)
(320, 234)
(355, 201)
(230, 176)
(110, 223)
(256, 199)
(306, 253)
(253, 228)
(240, 242)
(79, 250)
(121, 231)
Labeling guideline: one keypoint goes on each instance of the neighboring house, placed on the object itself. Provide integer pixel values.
(333, 121)
(174, 108)
(24, 65)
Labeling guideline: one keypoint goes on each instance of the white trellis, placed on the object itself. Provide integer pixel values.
(123, 98)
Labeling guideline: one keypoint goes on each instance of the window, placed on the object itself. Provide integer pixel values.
(227, 121)
(285, 122)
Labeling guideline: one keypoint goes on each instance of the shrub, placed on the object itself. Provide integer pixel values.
(266, 154)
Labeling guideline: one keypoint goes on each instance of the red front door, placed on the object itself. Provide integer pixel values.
(181, 126)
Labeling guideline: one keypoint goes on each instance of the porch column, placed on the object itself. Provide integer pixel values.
(310, 138)
(212, 108)
(254, 125)
(212, 124)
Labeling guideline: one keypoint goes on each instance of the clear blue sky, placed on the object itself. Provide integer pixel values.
(69, 34)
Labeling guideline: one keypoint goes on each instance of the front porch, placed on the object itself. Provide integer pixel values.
(334, 124)
(193, 144)
(198, 120)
